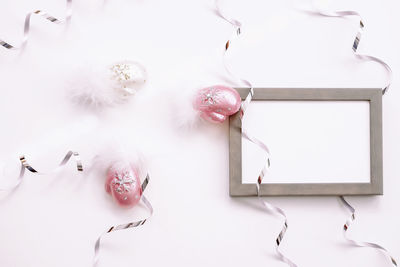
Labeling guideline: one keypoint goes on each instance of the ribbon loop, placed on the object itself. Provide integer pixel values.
(126, 225)
(356, 42)
(360, 243)
(26, 165)
(268, 207)
(27, 25)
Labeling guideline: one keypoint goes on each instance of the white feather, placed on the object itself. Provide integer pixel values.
(91, 86)
(118, 152)
(183, 114)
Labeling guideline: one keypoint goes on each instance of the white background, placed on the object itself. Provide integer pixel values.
(54, 220)
(307, 138)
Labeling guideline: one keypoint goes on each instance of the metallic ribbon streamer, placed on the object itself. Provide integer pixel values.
(268, 207)
(28, 22)
(359, 243)
(249, 97)
(124, 226)
(26, 165)
(271, 208)
(357, 39)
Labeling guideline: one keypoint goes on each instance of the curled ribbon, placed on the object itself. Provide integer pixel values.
(127, 225)
(356, 42)
(359, 243)
(271, 208)
(268, 207)
(357, 39)
(28, 22)
(26, 165)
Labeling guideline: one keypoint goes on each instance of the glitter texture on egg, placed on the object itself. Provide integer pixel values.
(98, 85)
(128, 76)
(123, 184)
(216, 103)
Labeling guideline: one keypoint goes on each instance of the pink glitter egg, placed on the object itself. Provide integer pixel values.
(123, 184)
(216, 103)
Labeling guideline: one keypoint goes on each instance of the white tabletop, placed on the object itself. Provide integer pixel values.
(54, 220)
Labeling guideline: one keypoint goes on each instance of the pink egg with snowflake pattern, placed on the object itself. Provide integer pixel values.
(216, 103)
(123, 183)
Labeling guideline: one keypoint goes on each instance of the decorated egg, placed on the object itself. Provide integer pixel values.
(127, 76)
(123, 184)
(216, 103)
(99, 85)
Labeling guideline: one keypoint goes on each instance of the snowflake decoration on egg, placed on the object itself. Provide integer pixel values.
(121, 72)
(124, 182)
(210, 97)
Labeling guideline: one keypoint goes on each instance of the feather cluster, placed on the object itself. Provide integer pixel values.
(97, 86)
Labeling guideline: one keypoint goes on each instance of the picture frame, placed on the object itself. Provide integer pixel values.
(375, 187)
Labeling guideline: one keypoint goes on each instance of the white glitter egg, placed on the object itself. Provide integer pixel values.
(97, 85)
(128, 76)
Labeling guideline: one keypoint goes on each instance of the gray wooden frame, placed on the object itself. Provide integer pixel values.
(374, 187)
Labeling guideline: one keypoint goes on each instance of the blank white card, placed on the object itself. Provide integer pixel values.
(309, 141)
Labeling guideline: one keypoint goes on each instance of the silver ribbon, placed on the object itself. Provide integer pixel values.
(126, 225)
(271, 208)
(357, 39)
(356, 42)
(28, 22)
(26, 165)
(359, 243)
(267, 206)
(237, 25)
